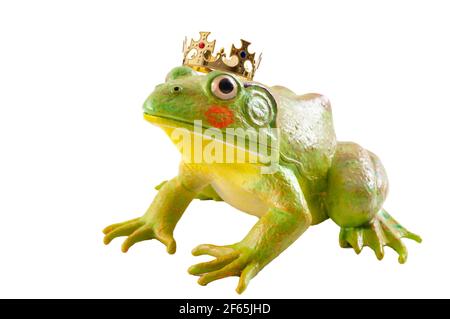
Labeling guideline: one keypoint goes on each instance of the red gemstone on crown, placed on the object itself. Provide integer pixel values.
(201, 45)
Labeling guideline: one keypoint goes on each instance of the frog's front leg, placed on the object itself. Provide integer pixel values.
(285, 220)
(163, 214)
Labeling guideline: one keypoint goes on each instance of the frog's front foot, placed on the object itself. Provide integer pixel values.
(137, 230)
(382, 231)
(232, 260)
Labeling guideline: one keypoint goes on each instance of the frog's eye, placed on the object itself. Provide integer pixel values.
(224, 87)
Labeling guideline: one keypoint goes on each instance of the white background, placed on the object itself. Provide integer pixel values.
(76, 154)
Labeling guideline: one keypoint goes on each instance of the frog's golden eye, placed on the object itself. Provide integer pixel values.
(224, 87)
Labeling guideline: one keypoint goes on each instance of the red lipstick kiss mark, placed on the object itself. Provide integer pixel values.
(219, 116)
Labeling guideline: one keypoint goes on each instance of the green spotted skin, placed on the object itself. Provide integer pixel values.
(316, 177)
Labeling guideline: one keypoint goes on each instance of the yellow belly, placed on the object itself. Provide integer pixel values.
(234, 182)
(239, 198)
(237, 185)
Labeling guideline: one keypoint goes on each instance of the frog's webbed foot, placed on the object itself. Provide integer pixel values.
(382, 231)
(232, 260)
(139, 230)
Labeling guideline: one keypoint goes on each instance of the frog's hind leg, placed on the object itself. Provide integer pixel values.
(207, 193)
(357, 188)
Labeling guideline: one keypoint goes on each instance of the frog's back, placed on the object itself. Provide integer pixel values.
(308, 139)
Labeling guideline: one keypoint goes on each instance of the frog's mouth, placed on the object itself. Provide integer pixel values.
(170, 122)
(173, 126)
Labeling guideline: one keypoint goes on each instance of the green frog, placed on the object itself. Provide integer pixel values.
(314, 178)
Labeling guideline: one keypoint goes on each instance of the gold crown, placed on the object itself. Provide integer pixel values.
(199, 56)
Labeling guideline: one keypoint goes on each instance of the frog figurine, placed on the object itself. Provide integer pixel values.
(315, 178)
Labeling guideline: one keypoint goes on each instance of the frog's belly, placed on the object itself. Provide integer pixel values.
(240, 198)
